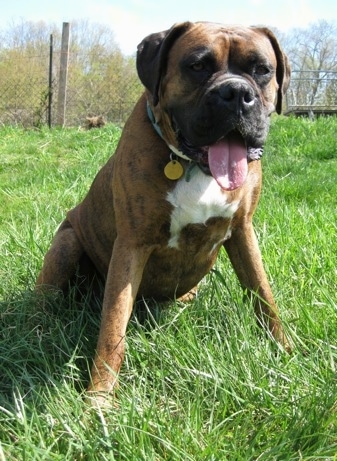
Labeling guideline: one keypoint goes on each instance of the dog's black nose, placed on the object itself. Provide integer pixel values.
(237, 95)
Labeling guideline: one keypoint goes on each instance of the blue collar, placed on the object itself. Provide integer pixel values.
(158, 130)
(153, 120)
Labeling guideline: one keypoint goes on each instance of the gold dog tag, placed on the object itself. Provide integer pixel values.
(173, 170)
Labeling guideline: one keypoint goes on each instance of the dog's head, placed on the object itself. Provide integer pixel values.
(212, 89)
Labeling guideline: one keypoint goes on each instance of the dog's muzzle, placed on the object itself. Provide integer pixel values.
(236, 95)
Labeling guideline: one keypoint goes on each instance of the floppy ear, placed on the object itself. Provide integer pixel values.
(152, 55)
(283, 71)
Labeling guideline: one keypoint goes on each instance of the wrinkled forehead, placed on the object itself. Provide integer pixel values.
(225, 40)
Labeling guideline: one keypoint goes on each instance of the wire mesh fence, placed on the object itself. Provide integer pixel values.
(26, 102)
(29, 90)
(23, 103)
(99, 96)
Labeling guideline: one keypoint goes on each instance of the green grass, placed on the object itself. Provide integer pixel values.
(199, 382)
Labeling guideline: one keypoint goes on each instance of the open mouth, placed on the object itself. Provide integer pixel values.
(226, 160)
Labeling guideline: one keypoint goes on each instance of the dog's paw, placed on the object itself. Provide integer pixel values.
(101, 401)
(190, 296)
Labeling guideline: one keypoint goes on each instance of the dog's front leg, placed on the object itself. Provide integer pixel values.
(123, 280)
(245, 256)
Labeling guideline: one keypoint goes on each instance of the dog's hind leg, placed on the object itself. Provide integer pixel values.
(61, 260)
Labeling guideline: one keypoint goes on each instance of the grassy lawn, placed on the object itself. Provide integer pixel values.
(200, 382)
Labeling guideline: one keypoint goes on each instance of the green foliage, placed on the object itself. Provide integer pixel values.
(200, 382)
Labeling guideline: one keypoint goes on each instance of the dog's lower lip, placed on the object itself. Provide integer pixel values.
(205, 147)
(230, 133)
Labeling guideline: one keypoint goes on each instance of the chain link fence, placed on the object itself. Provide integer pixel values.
(23, 103)
(98, 96)
(31, 100)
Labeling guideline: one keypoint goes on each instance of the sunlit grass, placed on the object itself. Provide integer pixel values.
(200, 381)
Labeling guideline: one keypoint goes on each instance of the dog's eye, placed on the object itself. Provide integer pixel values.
(198, 66)
(261, 70)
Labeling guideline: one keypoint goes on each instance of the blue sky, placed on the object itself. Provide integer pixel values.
(131, 20)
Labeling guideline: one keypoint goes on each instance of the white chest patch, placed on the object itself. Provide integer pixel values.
(195, 202)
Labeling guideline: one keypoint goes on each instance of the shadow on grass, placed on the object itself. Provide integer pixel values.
(51, 338)
(45, 339)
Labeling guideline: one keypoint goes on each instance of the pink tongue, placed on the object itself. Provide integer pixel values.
(228, 162)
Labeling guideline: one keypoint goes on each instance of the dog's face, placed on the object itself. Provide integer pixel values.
(212, 88)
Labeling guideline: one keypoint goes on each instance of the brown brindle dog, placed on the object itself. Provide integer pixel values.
(184, 181)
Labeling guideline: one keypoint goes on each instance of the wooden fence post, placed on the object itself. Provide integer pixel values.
(50, 81)
(62, 93)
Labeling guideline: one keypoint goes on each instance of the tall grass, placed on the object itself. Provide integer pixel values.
(200, 381)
